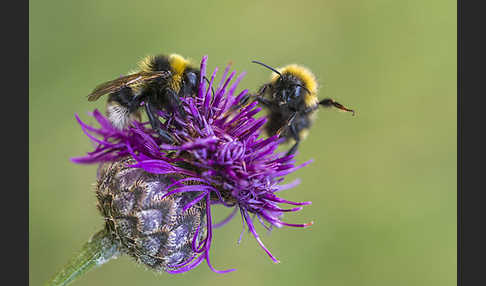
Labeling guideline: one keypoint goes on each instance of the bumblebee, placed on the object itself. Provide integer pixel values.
(159, 84)
(291, 100)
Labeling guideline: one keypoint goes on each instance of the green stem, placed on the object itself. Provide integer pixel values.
(98, 250)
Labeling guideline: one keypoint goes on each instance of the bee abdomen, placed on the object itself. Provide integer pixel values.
(153, 230)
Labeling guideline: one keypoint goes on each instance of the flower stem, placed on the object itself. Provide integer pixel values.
(98, 250)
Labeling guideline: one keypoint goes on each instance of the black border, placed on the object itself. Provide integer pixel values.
(471, 208)
(15, 155)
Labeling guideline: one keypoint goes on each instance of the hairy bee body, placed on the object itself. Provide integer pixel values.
(158, 84)
(291, 100)
(118, 111)
(301, 124)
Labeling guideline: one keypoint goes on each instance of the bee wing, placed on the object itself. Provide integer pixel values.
(117, 84)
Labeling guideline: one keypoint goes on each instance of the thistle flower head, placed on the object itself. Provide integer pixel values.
(219, 156)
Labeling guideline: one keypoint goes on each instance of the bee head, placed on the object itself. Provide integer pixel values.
(289, 85)
(190, 81)
(289, 91)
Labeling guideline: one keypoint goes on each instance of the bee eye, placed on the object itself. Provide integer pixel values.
(297, 91)
(191, 78)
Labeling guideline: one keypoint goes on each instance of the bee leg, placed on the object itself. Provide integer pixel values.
(243, 101)
(156, 125)
(293, 132)
(287, 124)
(239, 105)
(262, 90)
(328, 102)
(258, 96)
(263, 101)
(296, 137)
(135, 102)
(175, 101)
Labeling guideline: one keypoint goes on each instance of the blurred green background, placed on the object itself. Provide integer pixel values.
(383, 183)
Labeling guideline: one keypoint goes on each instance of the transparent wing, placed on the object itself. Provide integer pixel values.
(117, 84)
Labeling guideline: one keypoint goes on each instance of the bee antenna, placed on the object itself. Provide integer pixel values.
(268, 67)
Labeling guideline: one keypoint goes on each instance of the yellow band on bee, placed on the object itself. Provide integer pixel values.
(178, 63)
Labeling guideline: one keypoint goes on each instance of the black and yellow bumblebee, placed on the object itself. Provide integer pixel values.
(159, 84)
(291, 102)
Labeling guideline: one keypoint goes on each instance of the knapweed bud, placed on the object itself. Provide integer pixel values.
(155, 230)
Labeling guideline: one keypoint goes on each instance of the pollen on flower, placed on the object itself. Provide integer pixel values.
(221, 158)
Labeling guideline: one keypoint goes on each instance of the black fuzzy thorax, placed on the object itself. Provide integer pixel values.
(158, 88)
(160, 63)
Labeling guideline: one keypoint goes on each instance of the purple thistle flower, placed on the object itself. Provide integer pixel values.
(218, 151)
